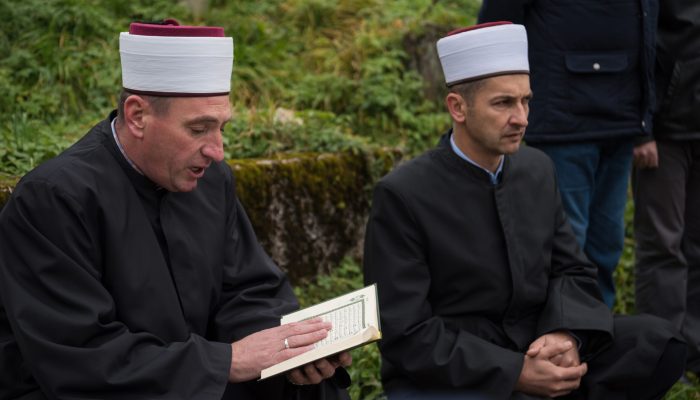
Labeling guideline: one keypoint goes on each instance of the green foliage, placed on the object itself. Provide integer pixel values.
(26, 143)
(341, 64)
(253, 134)
(344, 57)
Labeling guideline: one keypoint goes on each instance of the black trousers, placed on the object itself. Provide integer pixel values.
(667, 233)
(278, 388)
(642, 363)
(644, 360)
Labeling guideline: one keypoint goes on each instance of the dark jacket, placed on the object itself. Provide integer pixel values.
(678, 70)
(469, 273)
(591, 65)
(113, 289)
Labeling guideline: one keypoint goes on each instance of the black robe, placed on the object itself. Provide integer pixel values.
(469, 273)
(112, 288)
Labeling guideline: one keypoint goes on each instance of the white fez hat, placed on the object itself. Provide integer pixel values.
(172, 60)
(481, 51)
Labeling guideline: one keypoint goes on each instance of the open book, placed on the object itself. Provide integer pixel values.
(355, 319)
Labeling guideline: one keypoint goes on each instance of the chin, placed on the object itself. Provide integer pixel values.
(188, 188)
(185, 187)
(512, 148)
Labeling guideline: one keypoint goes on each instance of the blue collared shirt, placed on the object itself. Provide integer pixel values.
(494, 176)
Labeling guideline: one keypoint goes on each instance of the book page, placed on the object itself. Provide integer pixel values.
(347, 320)
(349, 314)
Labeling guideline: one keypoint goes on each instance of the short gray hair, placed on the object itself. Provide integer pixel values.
(160, 104)
(468, 89)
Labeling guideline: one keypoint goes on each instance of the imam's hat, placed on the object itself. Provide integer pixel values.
(171, 60)
(481, 51)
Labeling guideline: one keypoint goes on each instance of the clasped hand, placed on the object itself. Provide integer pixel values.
(552, 366)
(263, 349)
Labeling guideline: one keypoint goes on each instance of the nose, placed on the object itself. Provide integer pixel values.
(519, 116)
(214, 148)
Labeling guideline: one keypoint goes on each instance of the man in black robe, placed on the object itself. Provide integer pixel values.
(483, 290)
(128, 267)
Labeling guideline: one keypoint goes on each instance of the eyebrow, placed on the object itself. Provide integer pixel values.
(511, 96)
(205, 119)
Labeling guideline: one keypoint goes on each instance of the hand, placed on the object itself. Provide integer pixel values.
(313, 373)
(263, 349)
(646, 155)
(569, 358)
(541, 376)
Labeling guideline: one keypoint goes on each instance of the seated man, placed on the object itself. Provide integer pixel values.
(483, 290)
(128, 267)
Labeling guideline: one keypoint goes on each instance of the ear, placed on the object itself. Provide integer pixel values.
(135, 112)
(456, 106)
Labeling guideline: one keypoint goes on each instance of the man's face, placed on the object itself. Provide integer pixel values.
(180, 144)
(497, 118)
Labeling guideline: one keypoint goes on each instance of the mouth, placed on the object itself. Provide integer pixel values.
(197, 171)
(514, 135)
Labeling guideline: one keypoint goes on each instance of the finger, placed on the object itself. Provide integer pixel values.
(641, 161)
(654, 162)
(537, 343)
(313, 376)
(567, 361)
(557, 360)
(296, 376)
(552, 350)
(306, 338)
(566, 387)
(344, 359)
(325, 368)
(648, 160)
(291, 352)
(302, 327)
(533, 351)
(571, 374)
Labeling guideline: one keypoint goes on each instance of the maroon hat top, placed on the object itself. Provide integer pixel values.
(170, 27)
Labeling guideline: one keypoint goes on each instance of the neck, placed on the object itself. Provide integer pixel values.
(126, 145)
(470, 149)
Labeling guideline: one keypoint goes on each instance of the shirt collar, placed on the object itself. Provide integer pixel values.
(121, 149)
(494, 176)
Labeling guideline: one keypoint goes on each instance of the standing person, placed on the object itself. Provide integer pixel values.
(128, 267)
(483, 290)
(592, 69)
(666, 182)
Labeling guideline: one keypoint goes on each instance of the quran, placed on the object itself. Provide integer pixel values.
(355, 319)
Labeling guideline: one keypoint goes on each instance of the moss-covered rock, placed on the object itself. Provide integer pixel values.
(308, 210)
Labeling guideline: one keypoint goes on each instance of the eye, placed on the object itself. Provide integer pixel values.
(198, 130)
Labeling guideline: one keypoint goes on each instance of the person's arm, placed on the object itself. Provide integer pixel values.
(64, 318)
(255, 295)
(420, 345)
(574, 302)
(503, 10)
